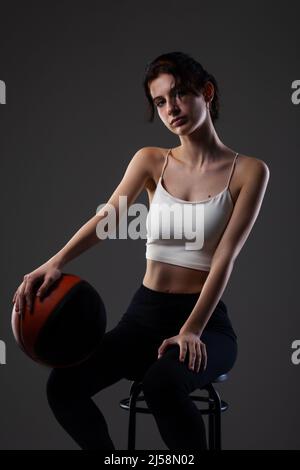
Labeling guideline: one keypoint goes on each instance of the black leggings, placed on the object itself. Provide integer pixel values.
(129, 351)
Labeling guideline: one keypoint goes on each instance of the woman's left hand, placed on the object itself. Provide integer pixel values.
(191, 342)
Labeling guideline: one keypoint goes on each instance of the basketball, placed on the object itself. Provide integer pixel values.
(65, 327)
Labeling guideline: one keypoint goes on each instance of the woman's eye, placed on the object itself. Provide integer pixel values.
(178, 92)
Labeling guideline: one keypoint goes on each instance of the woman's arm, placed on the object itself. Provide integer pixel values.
(244, 215)
(132, 183)
(138, 171)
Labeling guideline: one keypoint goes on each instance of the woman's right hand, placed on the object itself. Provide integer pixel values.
(45, 275)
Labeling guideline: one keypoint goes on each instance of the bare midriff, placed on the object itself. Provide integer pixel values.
(165, 277)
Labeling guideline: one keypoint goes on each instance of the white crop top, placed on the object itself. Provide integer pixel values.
(186, 233)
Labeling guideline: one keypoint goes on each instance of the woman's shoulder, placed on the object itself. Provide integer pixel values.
(152, 159)
(251, 161)
(251, 166)
(155, 157)
(154, 153)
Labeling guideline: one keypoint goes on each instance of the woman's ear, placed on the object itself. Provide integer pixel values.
(208, 91)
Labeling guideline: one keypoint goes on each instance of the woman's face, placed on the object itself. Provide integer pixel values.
(171, 103)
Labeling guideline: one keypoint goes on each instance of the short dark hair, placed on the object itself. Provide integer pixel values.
(189, 75)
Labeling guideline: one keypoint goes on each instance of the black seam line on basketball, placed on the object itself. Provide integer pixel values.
(60, 304)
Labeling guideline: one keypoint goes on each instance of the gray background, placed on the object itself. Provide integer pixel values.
(74, 117)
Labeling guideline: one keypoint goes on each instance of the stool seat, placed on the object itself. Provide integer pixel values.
(221, 378)
(215, 406)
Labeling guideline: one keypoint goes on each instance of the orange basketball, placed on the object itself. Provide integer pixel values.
(65, 327)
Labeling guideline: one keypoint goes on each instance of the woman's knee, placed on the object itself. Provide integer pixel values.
(163, 380)
(60, 388)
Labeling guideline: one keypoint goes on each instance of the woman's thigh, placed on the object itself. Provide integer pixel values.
(169, 372)
(124, 352)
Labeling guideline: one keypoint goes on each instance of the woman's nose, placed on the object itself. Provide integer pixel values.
(172, 107)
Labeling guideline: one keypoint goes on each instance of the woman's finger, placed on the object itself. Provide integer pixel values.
(192, 354)
(204, 355)
(183, 349)
(15, 296)
(199, 357)
(28, 292)
(162, 348)
(16, 304)
(21, 296)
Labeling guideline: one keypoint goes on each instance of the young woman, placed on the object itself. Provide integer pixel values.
(175, 335)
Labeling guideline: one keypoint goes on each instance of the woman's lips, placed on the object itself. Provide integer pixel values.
(179, 122)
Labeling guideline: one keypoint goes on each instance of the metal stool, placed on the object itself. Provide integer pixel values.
(214, 409)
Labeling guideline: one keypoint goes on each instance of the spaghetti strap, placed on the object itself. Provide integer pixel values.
(232, 168)
(166, 160)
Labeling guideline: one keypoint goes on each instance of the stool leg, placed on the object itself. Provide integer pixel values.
(211, 425)
(216, 417)
(134, 392)
(218, 443)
